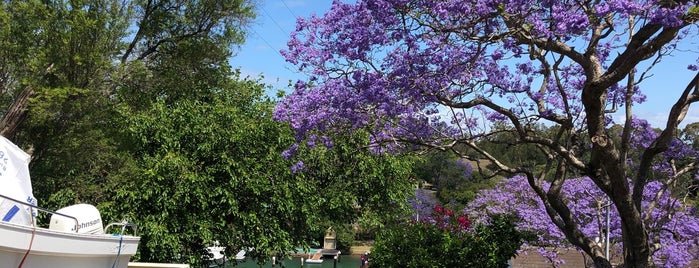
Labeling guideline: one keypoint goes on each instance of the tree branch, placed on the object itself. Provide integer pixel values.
(661, 143)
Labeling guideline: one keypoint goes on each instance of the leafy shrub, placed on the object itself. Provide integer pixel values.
(448, 240)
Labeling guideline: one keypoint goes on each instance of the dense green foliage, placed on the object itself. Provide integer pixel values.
(213, 170)
(355, 188)
(440, 242)
(216, 171)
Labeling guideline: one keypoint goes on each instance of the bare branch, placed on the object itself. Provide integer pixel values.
(661, 143)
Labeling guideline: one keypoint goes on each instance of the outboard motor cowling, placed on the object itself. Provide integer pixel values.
(89, 220)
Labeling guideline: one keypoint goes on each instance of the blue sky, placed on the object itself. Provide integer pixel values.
(277, 18)
(275, 21)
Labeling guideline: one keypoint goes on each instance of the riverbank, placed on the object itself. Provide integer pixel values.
(344, 261)
(359, 248)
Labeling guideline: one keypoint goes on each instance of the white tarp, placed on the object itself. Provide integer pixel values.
(15, 183)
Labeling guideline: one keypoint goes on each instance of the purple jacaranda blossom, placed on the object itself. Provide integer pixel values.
(675, 225)
(416, 67)
(291, 152)
(298, 167)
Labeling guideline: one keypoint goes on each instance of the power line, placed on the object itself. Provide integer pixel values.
(268, 44)
(289, 9)
(275, 21)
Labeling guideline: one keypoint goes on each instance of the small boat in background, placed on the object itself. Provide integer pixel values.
(240, 256)
(216, 255)
(316, 258)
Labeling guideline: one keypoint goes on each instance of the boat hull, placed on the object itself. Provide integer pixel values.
(57, 249)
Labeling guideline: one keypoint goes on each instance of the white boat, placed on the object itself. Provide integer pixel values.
(216, 255)
(240, 256)
(30, 246)
(314, 261)
(316, 258)
(75, 237)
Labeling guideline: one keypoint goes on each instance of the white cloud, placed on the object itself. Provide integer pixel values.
(659, 119)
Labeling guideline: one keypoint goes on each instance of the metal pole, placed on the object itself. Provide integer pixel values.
(419, 204)
(606, 238)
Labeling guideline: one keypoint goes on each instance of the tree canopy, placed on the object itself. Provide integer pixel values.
(438, 73)
(133, 106)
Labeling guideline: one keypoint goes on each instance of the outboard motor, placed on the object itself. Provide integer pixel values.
(89, 220)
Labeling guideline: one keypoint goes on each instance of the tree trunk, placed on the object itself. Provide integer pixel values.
(601, 262)
(16, 114)
(606, 170)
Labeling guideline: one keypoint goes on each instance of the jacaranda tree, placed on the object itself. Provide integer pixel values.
(438, 73)
(675, 224)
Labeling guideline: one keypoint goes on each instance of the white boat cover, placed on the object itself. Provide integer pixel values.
(15, 183)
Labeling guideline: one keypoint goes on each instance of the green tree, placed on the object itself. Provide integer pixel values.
(132, 106)
(53, 45)
(690, 135)
(354, 184)
(441, 169)
(213, 171)
(502, 143)
(455, 180)
(68, 65)
(57, 107)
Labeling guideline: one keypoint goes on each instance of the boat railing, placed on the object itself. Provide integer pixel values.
(123, 225)
(38, 208)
